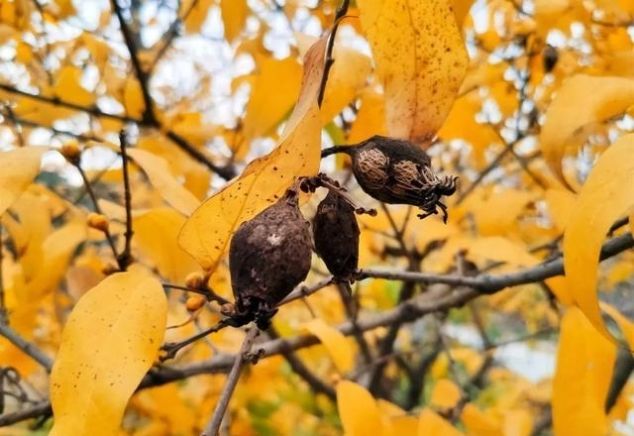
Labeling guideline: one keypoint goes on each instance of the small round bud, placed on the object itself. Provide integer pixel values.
(98, 222)
(195, 280)
(110, 268)
(195, 302)
(71, 151)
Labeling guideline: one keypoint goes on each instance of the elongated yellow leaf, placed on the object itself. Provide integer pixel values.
(133, 98)
(445, 395)
(206, 233)
(358, 410)
(580, 101)
(347, 77)
(18, 168)
(281, 79)
(155, 234)
(109, 342)
(607, 195)
(68, 87)
(234, 14)
(431, 424)
(585, 362)
(157, 170)
(421, 60)
(335, 342)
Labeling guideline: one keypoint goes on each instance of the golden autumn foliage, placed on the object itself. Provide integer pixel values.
(136, 137)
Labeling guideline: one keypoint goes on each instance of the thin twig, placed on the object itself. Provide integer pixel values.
(125, 258)
(207, 293)
(341, 12)
(230, 384)
(95, 203)
(296, 364)
(27, 347)
(172, 348)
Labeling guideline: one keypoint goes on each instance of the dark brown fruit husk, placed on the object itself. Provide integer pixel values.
(336, 236)
(399, 172)
(269, 255)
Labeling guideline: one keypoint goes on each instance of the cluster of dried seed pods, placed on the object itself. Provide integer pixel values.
(270, 254)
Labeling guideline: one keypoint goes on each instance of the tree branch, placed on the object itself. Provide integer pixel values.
(230, 384)
(27, 347)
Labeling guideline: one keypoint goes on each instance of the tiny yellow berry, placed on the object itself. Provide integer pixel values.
(71, 151)
(98, 221)
(195, 302)
(195, 280)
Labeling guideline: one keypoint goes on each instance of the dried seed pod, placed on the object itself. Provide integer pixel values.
(398, 172)
(336, 236)
(269, 255)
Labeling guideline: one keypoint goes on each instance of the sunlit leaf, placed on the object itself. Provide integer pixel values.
(206, 233)
(335, 342)
(234, 15)
(585, 360)
(445, 395)
(420, 59)
(133, 98)
(157, 170)
(607, 195)
(580, 101)
(197, 15)
(68, 87)
(109, 342)
(18, 168)
(358, 410)
(264, 113)
(431, 424)
(155, 234)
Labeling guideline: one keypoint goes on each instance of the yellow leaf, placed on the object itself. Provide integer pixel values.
(278, 79)
(518, 423)
(18, 168)
(561, 205)
(461, 10)
(234, 14)
(155, 234)
(358, 410)
(498, 248)
(431, 424)
(109, 342)
(68, 87)
(445, 394)
(335, 342)
(607, 195)
(585, 362)
(206, 233)
(421, 61)
(197, 15)
(133, 98)
(157, 170)
(580, 101)
(370, 118)
(479, 423)
(347, 77)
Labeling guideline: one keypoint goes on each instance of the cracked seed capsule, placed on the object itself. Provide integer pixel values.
(336, 236)
(398, 172)
(269, 255)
